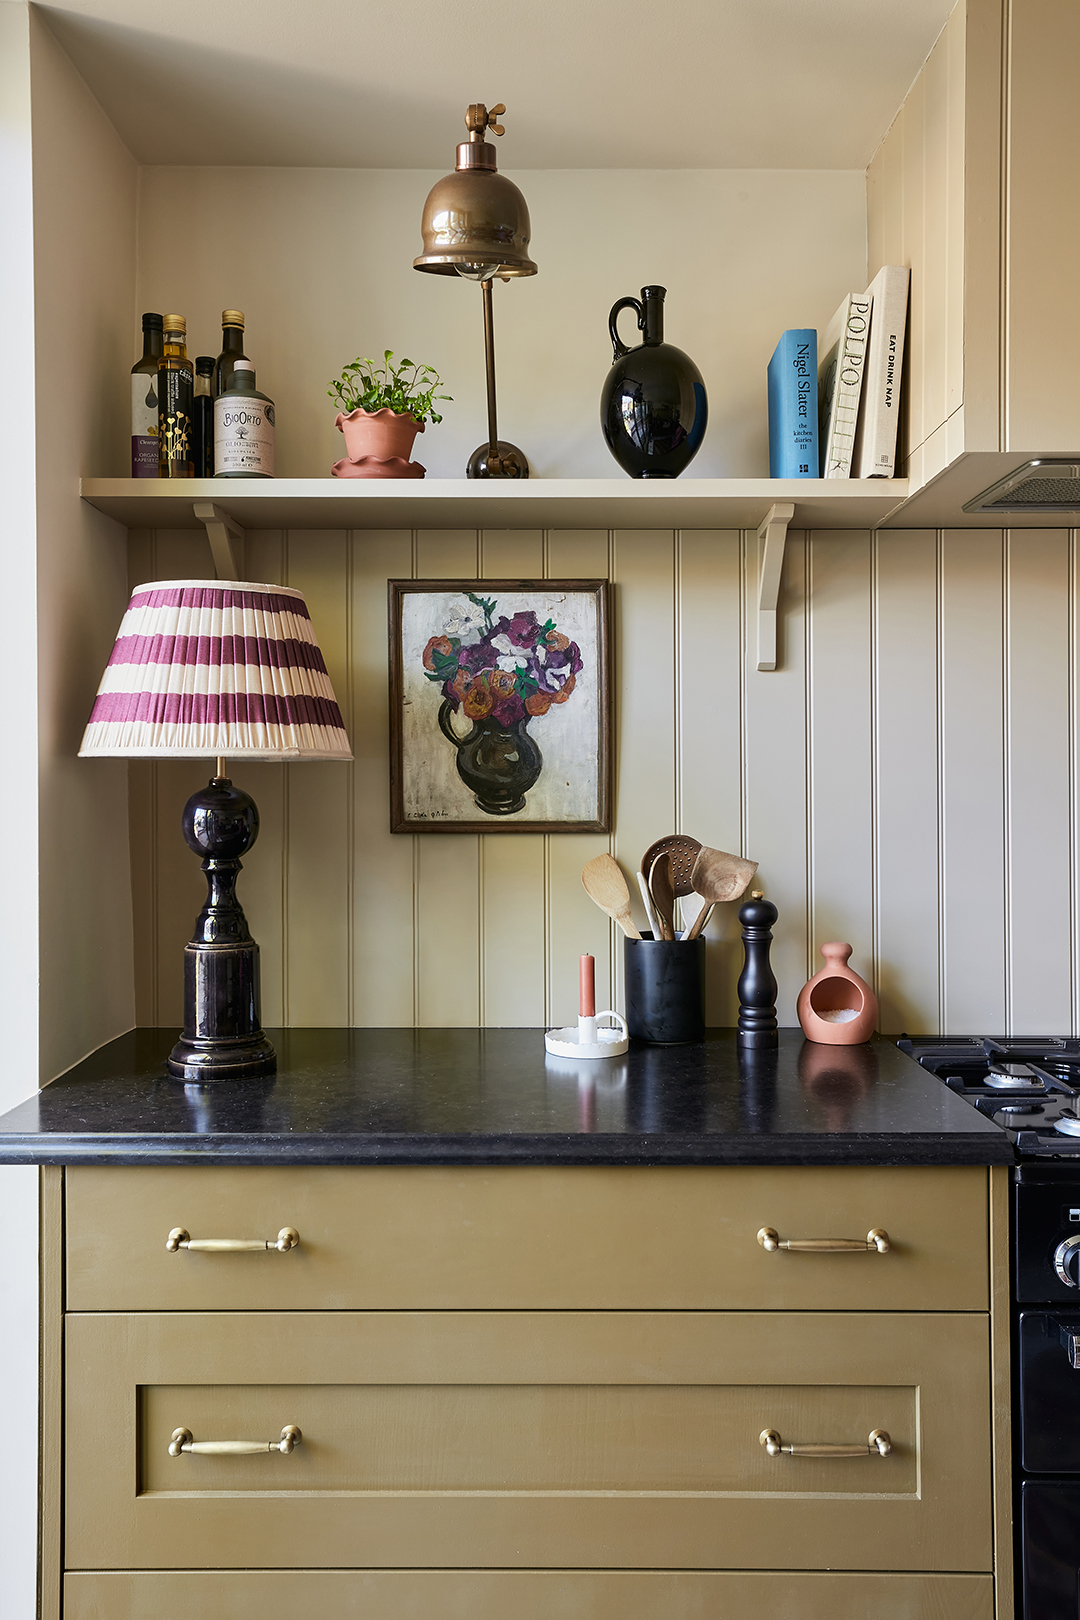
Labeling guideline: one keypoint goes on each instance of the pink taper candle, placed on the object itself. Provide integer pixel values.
(587, 1009)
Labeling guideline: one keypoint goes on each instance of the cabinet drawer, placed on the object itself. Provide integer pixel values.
(524, 1594)
(527, 1238)
(520, 1439)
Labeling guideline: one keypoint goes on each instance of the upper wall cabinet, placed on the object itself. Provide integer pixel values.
(975, 187)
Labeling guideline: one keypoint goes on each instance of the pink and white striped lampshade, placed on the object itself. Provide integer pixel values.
(205, 668)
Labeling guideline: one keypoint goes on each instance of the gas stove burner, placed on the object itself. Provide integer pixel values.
(1013, 1077)
(1028, 1085)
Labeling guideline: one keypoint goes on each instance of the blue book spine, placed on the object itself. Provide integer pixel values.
(793, 413)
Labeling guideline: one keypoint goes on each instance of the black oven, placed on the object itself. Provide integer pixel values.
(1030, 1087)
(1047, 1383)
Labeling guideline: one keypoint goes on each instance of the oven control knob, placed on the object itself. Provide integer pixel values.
(1067, 1261)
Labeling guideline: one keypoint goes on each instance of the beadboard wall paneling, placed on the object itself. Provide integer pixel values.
(973, 667)
(774, 764)
(907, 799)
(1038, 801)
(1040, 261)
(915, 216)
(840, 741)
(907, 779)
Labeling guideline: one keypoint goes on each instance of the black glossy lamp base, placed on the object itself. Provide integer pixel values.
(222, 1038)
(509, 463)
(222, 1058)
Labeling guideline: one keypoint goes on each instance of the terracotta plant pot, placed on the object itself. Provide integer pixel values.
(836, 1007)
(372, 467)
(383, 435)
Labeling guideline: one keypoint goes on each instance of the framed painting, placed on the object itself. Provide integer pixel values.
(500, 705)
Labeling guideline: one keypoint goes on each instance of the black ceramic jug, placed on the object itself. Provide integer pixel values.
(653, 409)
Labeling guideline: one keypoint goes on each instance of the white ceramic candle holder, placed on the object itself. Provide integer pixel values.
(588, 1040)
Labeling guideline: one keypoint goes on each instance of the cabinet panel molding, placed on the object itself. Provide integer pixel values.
(532, 1439)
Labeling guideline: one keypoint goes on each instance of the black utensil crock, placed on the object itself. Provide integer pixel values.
(665, 990)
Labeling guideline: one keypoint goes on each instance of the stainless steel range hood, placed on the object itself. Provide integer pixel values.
(1036, 486)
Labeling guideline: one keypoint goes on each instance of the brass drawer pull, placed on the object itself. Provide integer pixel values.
(876, 1242)
(182, 1442)
(178, 1238)
(878, 1445)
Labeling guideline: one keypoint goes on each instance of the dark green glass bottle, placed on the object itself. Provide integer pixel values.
(232, 348)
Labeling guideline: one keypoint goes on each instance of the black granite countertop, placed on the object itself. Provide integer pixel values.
(494, 1096)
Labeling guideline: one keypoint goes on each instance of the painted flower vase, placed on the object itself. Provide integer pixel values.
(836, 1007)
(497, 762)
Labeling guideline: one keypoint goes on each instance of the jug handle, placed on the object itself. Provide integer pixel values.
(617, 343)
(446, 726)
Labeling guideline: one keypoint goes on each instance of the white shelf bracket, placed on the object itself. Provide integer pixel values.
(772, 535)
(225, 536)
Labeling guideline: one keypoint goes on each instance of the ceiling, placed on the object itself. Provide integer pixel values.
(765, 84)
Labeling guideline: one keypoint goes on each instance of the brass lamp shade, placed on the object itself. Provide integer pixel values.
(477, 220)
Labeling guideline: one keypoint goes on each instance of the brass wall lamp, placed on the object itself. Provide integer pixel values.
(476, 225)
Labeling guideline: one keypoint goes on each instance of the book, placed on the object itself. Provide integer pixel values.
(793, 420)
(879, 407)
(840, 374)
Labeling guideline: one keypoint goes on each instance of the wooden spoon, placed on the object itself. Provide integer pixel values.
(605, 884)
(700, 920)
(717, 876)
(663, 894)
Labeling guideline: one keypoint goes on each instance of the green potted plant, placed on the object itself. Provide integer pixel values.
(384, 407)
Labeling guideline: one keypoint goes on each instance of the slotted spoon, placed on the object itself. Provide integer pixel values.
(682, 852)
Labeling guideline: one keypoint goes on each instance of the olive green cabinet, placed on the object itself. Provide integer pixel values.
(572, 1393)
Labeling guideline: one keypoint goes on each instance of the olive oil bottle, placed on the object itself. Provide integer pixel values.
(144, 402)
(243, 428)
(176, 404)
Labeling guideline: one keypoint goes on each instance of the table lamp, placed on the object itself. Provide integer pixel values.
(210, 669)
(476, 225)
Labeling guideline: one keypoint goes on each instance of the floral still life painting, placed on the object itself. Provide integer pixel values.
(499, 708)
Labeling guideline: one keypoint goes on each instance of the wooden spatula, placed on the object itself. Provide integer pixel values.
(605, 884)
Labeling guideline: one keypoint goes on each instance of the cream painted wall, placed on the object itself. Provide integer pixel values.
(67, 196)
(320, 261)
(84, 246)
(18, 828)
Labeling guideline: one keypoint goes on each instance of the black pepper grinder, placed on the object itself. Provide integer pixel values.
(757, 986)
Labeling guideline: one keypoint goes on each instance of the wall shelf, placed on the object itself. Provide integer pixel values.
(458, 503)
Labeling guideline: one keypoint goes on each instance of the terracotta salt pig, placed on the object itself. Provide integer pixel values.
(836, 1007)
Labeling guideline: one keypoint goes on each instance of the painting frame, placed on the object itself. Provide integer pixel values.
(403, 816)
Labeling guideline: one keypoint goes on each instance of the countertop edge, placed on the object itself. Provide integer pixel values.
(594, 1150)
